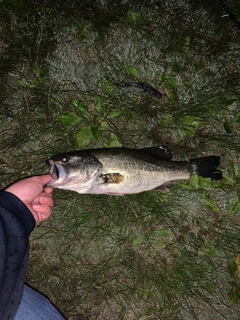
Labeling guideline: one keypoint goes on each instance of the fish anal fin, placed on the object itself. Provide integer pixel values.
(112, 178)
(164, 188)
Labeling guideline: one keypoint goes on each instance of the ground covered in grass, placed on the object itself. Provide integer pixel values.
(147, 256)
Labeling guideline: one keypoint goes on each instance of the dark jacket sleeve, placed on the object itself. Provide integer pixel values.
(16, 224)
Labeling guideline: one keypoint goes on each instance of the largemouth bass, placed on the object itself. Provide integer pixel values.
(119, 171)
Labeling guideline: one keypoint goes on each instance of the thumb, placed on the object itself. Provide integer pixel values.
(43, 179)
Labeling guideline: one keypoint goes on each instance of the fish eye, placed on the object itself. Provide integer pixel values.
(64, 159)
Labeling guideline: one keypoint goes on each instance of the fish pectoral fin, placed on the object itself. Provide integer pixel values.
(111, 178)
(166, 187)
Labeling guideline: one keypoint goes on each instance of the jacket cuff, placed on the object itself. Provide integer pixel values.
(13, 204)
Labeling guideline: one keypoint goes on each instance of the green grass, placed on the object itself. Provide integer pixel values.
(147, 256)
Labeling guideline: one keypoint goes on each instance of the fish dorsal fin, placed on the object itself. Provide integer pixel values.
(161, 152)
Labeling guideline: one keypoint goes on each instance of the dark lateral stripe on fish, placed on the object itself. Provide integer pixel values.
(144, 87)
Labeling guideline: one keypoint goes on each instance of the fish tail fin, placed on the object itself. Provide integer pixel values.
(206, 167)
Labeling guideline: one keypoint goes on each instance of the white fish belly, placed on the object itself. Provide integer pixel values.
(137, 182)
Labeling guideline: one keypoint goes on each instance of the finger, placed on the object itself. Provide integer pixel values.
(48, 190)
(43, 179)
(49, 193)
(42, 210)
(46, 200)
(44, 194)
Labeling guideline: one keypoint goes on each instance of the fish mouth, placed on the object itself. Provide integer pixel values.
(54, 172)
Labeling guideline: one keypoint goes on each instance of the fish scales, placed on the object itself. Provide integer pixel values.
(140, 170)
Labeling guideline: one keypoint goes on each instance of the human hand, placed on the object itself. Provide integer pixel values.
(32, 193)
